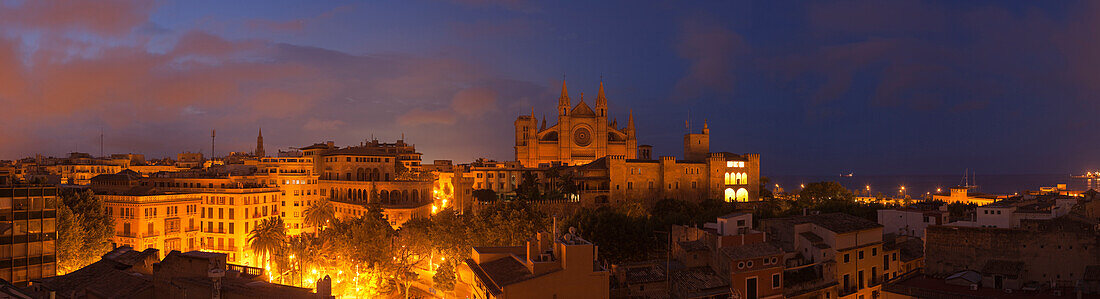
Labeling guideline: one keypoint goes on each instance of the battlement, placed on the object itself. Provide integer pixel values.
(616, 157)
(668, 158)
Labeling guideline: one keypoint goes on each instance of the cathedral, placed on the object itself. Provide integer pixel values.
(581, 135)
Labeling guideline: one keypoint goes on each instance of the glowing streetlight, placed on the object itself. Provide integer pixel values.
(937, 190)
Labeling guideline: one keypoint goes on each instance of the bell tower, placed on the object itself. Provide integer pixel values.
(260, 145)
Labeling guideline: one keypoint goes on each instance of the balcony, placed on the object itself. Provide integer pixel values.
(126, 234)
(842, 291)
(221, 248)
(246, 271)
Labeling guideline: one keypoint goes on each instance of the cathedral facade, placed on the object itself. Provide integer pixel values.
(581, 135)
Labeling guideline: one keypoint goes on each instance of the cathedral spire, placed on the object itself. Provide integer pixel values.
(601, 99)
(563, 101)
(630, 122)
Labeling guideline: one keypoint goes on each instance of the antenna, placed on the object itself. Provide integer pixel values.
(101, 143)
(212, 134)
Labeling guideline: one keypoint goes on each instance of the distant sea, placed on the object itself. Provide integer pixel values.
(920, 184)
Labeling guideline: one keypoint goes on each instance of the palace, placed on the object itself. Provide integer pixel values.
(581, 135)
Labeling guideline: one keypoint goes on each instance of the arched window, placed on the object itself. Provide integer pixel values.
(742, 194)
(730, 195)
(744, 178)
(727, 178)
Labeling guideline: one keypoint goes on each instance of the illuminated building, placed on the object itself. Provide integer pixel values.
(731, 177)
(547, 267)
(842, 255)
(146, 217)
(189, 160)
(961, 194)
(582, 134)
(609, 166)
(388, 175)
(298, 184)
(28, 223)
(229, 208)
(501, 177)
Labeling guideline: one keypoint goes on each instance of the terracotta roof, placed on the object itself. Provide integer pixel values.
(644, 274)
(749, 251)
(700, 281)
(105, 277)
(498, 273)
(692, 246)
(836, 222)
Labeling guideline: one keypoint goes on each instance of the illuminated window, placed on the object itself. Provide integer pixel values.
(730, 195)
(742, 194)
(729, 163)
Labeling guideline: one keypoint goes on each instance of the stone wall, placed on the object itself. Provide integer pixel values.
(1055, 254)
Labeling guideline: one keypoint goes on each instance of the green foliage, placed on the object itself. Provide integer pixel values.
(508, 223)
(764, 192)
(268, 237)
(626, 234)
(621, 237)
(366, 240)
(319, 214)
(84, 230)
(485, 195)
(70, 241)
(959, 210)
(814, 193)
(528, 188)
(444, 278)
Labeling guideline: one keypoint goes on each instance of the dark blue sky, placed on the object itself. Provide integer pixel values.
(815, 87)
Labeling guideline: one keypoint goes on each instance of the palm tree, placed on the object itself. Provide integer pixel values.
(268, 237)
(319, 214)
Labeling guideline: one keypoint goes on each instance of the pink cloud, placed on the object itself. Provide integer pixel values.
(419, 116)
(474, 101)
(108, 17)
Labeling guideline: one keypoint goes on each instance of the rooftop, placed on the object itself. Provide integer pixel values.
(836, 222)
(751, 251)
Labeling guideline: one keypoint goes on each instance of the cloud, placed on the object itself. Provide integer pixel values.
(473, 102)
(516, 5)
(108, 17)
(202, 80)
(909, 54)
(276, 26)
(419, 116)
(295, 25)
(709, 49)
(323, 125)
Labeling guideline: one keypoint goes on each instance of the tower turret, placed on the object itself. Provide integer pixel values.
(601, 102)
(563, 101)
